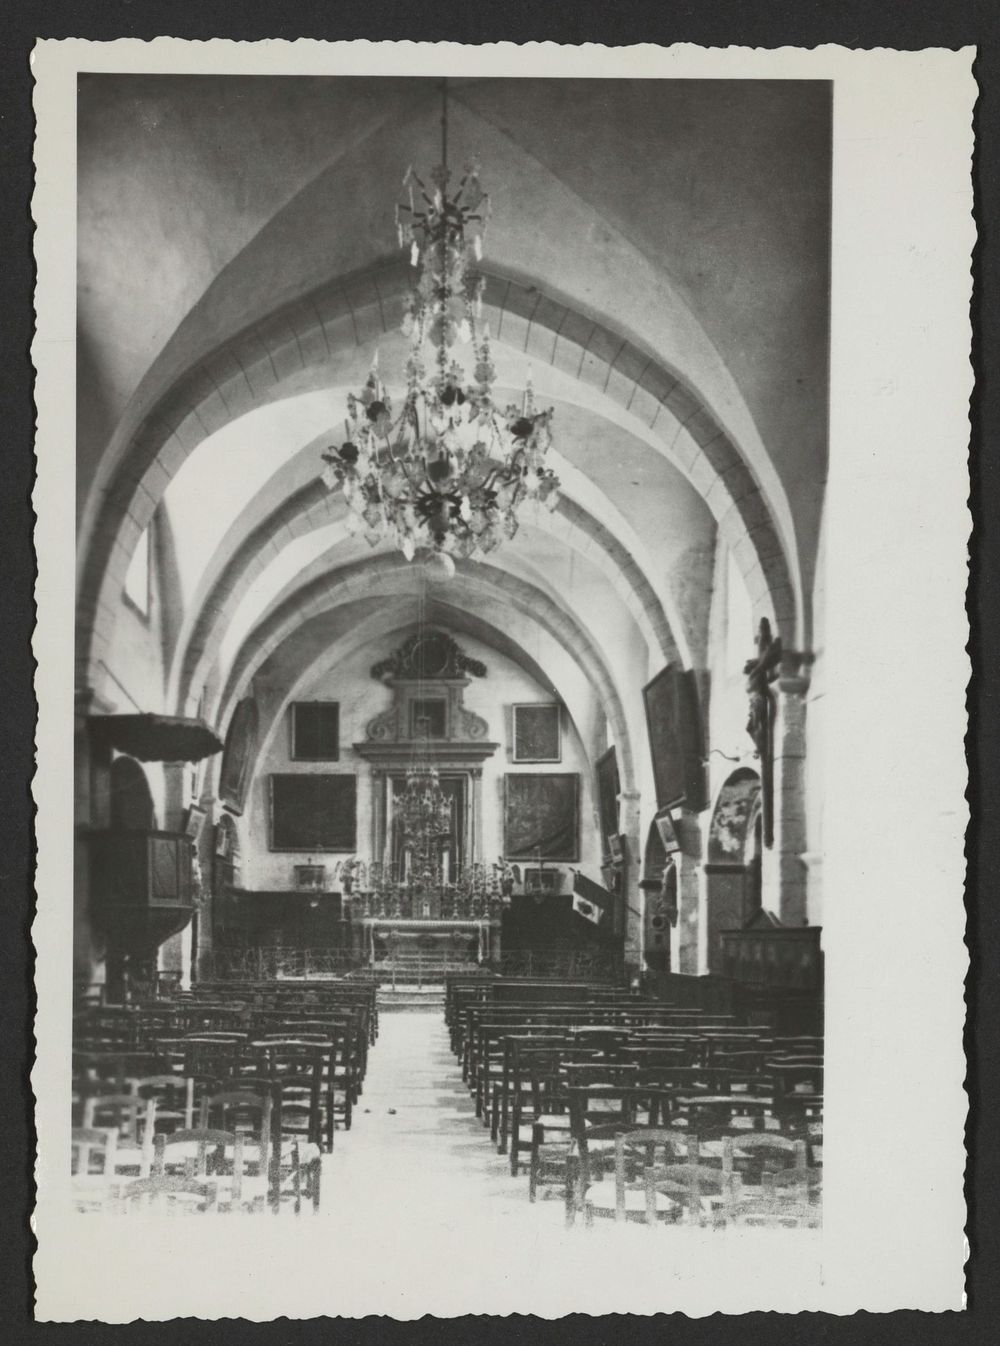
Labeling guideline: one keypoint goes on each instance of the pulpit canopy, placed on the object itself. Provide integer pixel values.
(157, 738)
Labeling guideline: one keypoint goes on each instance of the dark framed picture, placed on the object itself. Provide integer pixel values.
(542, 816)
(668, 833)
(194, 821)
(608, 788)
(616, 848)
(660, 700)
(315, 731)
(673, 720)
(238, 755)
(537, 733)
(310, 878)
(314, 812)
(543, 881)
(428, 717)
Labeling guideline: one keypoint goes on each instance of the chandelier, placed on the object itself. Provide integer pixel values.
(424, 811)
(443, 473)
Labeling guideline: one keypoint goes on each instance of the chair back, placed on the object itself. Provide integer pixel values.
(179, 1195)
(93, 1151)
(702, 1194)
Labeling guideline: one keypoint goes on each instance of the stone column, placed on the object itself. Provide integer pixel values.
(790, 843)
(632, 896)
(202, 952)
(688, 940)
(378, 832)
(175, 954)
(474, 825)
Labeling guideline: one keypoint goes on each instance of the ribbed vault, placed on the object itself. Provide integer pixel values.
(294, 347)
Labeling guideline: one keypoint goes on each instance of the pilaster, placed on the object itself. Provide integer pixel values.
(629, 802)
(790, 842)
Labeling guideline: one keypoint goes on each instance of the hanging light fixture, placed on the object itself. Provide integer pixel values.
(444, 475)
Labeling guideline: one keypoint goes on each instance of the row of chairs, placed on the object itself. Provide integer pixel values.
(234, 1093)
(658, 1176)
(570, 1079)
(239, 1148)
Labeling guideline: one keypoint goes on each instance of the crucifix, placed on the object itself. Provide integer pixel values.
(760, 672)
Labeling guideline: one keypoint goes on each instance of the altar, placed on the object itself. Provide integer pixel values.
(450, 941)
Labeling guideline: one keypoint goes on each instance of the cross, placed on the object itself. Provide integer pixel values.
(760, 672)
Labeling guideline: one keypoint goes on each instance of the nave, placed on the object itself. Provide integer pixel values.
(450, 612)
(539, 1104)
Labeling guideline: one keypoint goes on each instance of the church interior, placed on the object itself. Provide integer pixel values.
(450, 474)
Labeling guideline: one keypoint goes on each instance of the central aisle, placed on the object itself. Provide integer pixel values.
(421, 1215)
(418, 1153)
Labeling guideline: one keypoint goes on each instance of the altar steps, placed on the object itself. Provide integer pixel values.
(421, 967)
(410, 999)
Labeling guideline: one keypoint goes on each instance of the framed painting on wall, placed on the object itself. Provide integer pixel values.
(194, 821)
(238, 756)
(673, 719)
(660, 699)
(666, 831)
(542, 816)
(314, 731)
(313, 812)
(608, 789)
(537, 733)
(544, 882)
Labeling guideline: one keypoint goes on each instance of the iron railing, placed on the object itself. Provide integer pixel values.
(412, 966)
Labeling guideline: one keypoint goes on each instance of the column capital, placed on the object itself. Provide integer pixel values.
(793, 675)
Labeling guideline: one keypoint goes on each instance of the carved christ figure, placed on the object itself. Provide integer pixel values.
(760, 672)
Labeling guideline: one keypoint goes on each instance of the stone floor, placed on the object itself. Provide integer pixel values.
(420, 1214)
(418, 1148)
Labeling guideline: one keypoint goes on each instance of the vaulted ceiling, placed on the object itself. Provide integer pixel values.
(658, 259)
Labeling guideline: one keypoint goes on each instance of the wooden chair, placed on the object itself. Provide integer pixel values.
(302, 1071)
(92, 1167)
(174, 1095)
(339, 1088)
(248, 1113)
(179, 1196)
(203, 1154)
(625, 1192)
(597, 1113)
(788, 1198)
(698, 1194)
(134, 1122)
(752, 1156)
(218, 1056)
(550, 1123)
